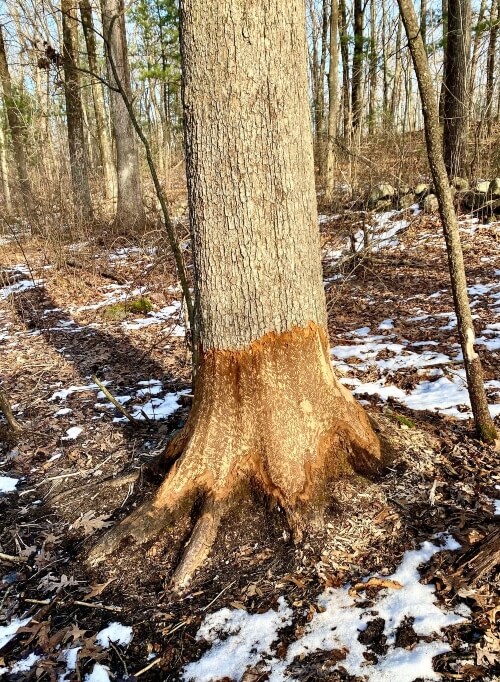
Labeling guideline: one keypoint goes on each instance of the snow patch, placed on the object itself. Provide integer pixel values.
(116, 633)
(8, 484)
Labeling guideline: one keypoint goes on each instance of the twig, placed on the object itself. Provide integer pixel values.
(115, 402)
(6, 409)
(93, 605)
(12, 559)
(219, 595)
(148, 667)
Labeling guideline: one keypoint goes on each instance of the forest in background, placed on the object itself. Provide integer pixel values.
(366, 110)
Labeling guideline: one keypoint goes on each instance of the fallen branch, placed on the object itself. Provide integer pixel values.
(6, 409)
(115, 402)
(12, 559)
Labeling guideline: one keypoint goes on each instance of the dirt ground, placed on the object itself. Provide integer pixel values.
(54, 336)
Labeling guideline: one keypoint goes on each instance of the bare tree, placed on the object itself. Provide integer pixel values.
(130, 214)
(333, 101)
(484, 423)
(105, 151)
(456, 78)
(78, 152)
(16, 127)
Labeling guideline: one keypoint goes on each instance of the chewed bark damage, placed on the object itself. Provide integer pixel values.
(275, 414)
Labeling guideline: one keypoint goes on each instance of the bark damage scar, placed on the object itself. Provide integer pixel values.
(470, 341)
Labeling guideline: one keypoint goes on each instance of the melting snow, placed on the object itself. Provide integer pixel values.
(116, 633)
(100, 673)
(8, 632)
(8, 484)
(73, 433)
(240, 640)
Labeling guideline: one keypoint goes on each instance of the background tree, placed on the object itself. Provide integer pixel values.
(130, 215)
(267, 406)
(16, 127)
(78, 152)
(333, 102)
(484, 423)
(456, 78)
(105, 150)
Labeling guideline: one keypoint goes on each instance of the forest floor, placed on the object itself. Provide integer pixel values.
(405, 586)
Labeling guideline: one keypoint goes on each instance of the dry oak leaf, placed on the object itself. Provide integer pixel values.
(90, 523)
(74, 632)
(96, 590)
(374, 582)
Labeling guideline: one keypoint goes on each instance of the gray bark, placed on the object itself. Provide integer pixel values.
(78, 152)
(130, 214)
(250, 170)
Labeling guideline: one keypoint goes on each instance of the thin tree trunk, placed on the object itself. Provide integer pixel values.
(130, 214)
(442, 96)
(484, 424)
(456, 104)
(373, 68)
(103, 138)
(396, 86)
(78, 152)
(344, 49)
(16, 127)
(5, 171)
(479, 31)
(357, 66)
(333, 101)
(490, 63)
(423, 21)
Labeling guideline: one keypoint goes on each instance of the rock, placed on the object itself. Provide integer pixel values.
(422, 189)
(474, 200)
(381, 191)
(495, 187)
(431, 204)
(483, 187)
(460, 184)
(404, 189)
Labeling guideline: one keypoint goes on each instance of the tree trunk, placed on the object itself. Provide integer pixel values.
(16, 127)
(267, 405)
(357, 66)
(490, 63)
(423, 21)
(5, 171)
(479, 31)
(130, 214)
(78, 152)
(396, 86)
(105, 151)
(484, 424)
(333, 102)
(344, 49)
(373, 68)
(442, 96)
(456, 104)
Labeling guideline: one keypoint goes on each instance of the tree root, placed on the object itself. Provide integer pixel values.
(273, 414)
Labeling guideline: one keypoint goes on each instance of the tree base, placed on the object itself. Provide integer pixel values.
(273, 414)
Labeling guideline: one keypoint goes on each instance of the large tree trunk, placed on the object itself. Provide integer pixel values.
(333, 102)
(373, 68)
(484, 424)
(457, 102)
(16, 127)
(105, 151)
(130, 214)
(267, 405)
(78, 152)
